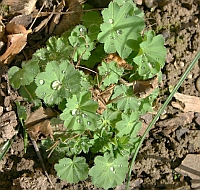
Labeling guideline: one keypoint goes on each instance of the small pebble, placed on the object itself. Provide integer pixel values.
(190, 76)
(182, 64)
(198, 84)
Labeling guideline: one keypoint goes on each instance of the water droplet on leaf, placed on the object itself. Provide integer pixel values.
(56, 85)
(112, 169)
(119, 32)
(41, 82)
(89, 122)
(111, 21)
(149, 64)
(84, 115)
(82, 29)
(63, 72)
(79, 121)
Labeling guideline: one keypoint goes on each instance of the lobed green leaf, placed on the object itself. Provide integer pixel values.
(72, 171)
(80, 113)
(119, 28)
(108, 171)
(25, 75)
(59, 81)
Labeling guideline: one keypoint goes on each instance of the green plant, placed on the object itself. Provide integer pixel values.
(96, 100)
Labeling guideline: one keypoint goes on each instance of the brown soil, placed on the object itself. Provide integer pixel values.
(168, 142)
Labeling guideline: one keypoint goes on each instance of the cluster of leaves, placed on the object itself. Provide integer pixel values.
(61, 75)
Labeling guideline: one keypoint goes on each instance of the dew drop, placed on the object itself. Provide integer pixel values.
(56, 85)
(149, 64)
(64, 165)
(143, 68)
(82, 29)
(84, 115)
(41, 82)
(87, 46)
(120, 166)
(44, 93)
(157, 59)
(79, 121)
(130, 99)
(73, 112)
(139, 103)
(89, 122)
(111, 21)
(63, 72)
(111, 37)
(124, 48)
(119, 32)
(112, 169)
(20, 78)
(83, 143)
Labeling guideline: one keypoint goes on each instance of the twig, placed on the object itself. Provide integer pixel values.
(41, 160)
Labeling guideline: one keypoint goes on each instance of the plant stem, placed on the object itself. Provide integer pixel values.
(159, 113)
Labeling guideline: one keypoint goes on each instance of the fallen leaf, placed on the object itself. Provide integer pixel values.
(121, 62)
(143, 88)
(102, 97)
(38, 123)
(16, 41)
(42, 127)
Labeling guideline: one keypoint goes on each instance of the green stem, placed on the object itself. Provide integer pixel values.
(159, 113)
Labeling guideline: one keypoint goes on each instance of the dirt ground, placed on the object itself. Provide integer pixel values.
(175, 135)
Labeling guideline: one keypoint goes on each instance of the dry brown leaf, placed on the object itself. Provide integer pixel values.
(102, 97)
(16, 41)
(42, 127)
(38, 123)
(39, 115)
(145, 87)
(121, 62)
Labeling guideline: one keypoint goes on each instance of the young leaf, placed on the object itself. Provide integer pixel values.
(81, 42)
(72, 171)
(57, 49)
(119, 27)
(57, 82)
(108, 171)
(25, 75)
(111, 71)
(129, 124)
(80, 113)
(109, 118)
(126, 102)
(21, 112)
(152, 54)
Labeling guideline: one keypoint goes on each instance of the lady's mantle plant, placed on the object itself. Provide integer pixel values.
(98, 108)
